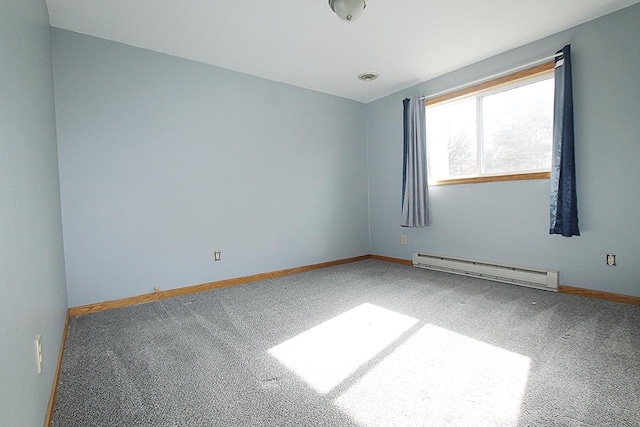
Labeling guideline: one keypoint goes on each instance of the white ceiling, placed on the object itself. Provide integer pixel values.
(301, 42)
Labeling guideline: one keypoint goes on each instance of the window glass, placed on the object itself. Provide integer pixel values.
(518, 128)
(503, 128)
(452, 139)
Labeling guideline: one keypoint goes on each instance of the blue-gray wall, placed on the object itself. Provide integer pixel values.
(509, 222)
(165, 160)
(32, 283)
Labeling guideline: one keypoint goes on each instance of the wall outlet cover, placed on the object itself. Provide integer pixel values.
(39, 353)
(611, 260)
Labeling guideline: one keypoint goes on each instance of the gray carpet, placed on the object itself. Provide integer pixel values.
(363, 344)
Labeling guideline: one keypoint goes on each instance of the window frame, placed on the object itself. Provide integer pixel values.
(533, 74)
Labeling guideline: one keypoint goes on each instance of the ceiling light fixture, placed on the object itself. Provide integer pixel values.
(368, 77)
(348, 10)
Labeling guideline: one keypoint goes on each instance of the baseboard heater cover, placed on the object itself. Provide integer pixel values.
(516, 275)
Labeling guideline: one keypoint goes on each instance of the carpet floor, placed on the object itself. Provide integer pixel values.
(363, 344)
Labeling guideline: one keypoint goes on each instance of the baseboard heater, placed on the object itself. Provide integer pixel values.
(522, 276)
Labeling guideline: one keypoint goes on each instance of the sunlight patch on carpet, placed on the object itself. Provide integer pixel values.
(439, 377)
(329, 353)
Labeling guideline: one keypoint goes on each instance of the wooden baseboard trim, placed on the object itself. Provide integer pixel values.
(54, 387)
(140, 299)
(590, 293)
(170, 293)
(390, 259)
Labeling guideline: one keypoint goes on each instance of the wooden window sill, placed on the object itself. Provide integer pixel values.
(494, 178)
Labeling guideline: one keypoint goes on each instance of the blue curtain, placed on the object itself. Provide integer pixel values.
(564, 204)
(415, 191)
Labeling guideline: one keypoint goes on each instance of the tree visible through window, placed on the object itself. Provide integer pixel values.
(499, 130)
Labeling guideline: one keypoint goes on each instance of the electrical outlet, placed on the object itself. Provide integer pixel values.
(611, 260)
(403, 239)
(39, 353)
(156, 289)
(217, 256)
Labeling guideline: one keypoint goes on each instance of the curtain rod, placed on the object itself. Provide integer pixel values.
(503, 73)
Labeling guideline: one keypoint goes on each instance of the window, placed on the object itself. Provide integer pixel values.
(497, 130)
